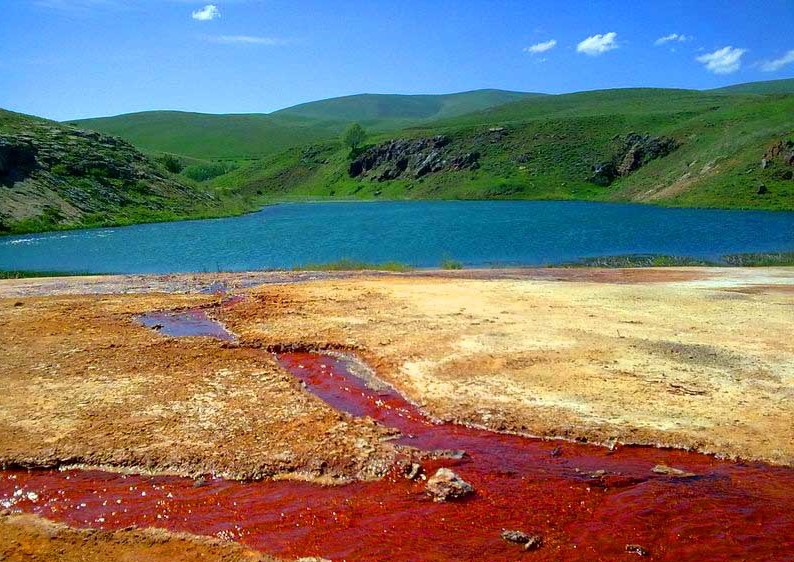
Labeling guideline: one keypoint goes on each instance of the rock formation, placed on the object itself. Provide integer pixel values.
(411, 158)
(634, 152)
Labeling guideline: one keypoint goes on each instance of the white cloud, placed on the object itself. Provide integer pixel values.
(777, 64)
(673, 37)
(598, 44)
(723, 61)
(207, 13)
(245, 40)
(541, 47)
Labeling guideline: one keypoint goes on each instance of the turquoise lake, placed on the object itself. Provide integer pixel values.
(421, 233)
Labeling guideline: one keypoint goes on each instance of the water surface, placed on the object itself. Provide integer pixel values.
(418, 233)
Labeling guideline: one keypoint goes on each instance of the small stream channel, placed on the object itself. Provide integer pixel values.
(587, 502)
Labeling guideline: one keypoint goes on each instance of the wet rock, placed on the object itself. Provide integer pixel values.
(413, 471)
(454, 454)
(515, 536)
(445, 485)
(534, 542)
(637, 549)
(670, 471)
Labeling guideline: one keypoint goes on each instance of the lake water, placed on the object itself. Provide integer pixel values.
(421, 233)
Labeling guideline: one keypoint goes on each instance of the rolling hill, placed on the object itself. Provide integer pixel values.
(55, 176)
(550, 148)
(785, 86)
(722, 148)
(248, 136)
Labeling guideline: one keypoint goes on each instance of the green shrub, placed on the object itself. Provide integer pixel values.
(448, 263)
(205, 172)
(171, 163)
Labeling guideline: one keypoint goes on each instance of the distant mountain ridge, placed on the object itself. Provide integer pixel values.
(209, 136)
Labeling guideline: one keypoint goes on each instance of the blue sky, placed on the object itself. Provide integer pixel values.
(65, 59)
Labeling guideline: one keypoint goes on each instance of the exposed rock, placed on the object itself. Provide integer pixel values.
(778, 160)
(17, 161)
(762, 189)
(670, 471)
(634, 152)
(54, 175)
(782, 152)
(534, 542)
(413, 471)
(411, 158)
(445, 485)
(637, 549)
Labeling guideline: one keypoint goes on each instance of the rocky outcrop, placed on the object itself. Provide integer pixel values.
(411, 158)
(53, 175)
(634, 152)
(779, 160)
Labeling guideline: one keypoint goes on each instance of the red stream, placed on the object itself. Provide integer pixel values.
(729, 511)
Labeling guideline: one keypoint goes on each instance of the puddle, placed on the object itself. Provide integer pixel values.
(192, 322)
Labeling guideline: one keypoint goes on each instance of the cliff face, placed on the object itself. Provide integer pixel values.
(54, 176)
(634, 152)
(411, 158)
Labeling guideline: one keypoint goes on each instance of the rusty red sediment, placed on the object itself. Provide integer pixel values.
(587, 502)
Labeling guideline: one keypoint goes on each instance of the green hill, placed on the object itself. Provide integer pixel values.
(205, 136)
(249, 136)
(387, 111)
(785, 86)
(548, 148)
(55, 176)
(721, 148)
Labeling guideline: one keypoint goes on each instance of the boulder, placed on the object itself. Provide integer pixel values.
(445, 485)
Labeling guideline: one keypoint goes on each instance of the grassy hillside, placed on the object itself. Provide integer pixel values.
(251, 136)
(669, 147)
(390, 111)
(785, 86)
(53, 176)
(546, 147)
(204, 136)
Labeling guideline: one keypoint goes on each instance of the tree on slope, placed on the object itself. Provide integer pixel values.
(354, 136)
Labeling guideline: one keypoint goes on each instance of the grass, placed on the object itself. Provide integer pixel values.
(767, 259)
(549, 146)
(448, 263)
(632, 261)
(246, 136)
(237, 163)
(24, 274)
(346, 264)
